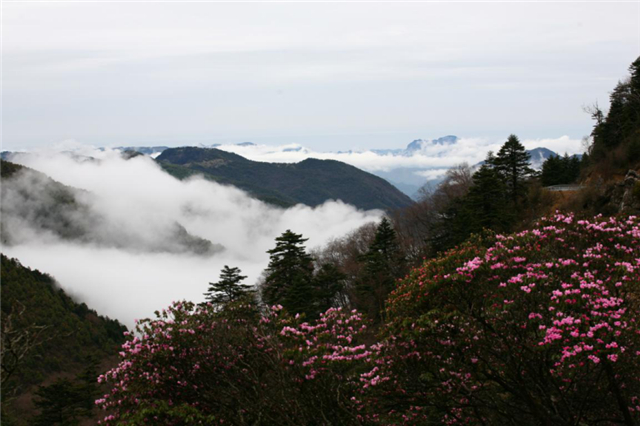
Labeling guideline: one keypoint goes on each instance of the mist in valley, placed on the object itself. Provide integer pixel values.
(137, 238)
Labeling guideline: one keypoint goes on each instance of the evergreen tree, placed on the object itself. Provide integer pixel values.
(383, 264)
(512, 164)
(486, 204)
(66, 402)
(551, 171)
(328, 283)
(452, 227)
(230, 287)
(289, 275)
(560, 170)
(621, 125)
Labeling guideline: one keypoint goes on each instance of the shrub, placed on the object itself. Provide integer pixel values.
(194, 365)
(539, 327)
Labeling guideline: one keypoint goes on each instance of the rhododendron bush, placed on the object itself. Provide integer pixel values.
(198, 365)
(535, 328)
(541, 327)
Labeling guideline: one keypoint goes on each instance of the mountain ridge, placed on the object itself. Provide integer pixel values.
(311, 181)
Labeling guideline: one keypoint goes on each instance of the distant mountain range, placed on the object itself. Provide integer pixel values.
(311, 182)
(278, 183)
(410, 180)
(418, 146)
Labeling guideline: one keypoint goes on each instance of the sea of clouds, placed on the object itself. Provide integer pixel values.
(136, 200)
(431, 157)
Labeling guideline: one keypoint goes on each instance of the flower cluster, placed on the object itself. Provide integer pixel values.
(542, 325)
(538, 327)
(197, 365)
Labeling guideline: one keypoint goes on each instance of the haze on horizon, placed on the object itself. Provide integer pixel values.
(327, 76)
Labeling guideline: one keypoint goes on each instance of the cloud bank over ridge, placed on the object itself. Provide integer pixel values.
(432, 156)
(127, 281)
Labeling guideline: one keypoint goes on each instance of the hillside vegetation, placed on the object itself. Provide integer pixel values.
(45, 333)
(311, 182)
(534, 328)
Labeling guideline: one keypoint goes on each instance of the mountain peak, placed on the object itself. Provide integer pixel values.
(420, 144)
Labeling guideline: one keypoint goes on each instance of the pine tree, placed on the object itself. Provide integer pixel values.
(230, 287)
(65, 402)
(486, 204)
(560, 170)
(551, 171)
(621, 125)
(328, 283)
(289, 275)
(512, 164)
(383, 264)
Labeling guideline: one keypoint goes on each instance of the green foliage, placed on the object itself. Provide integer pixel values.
(616, 136)
(72, 333)
(533, 328)
(289, 275)
(560, 170)
(65, 402)
(328, 282)
(512, 165)
(8, 169)
(383, 264)
(229, 289)
(212, 366)
(311, 182)
(487, 205)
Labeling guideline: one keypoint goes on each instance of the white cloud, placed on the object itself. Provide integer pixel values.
(136, 198)
(435, 156)
(432, 174)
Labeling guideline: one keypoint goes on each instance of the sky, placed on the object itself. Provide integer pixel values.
(327, 76)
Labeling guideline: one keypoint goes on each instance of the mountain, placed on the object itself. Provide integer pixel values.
(46, 335)
(418, 146)
(32, 202)
(410, 179)
(146, 150)
(310, 182)
(539, 156)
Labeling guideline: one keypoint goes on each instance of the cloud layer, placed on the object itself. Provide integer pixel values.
(136, 199)
(434, 156)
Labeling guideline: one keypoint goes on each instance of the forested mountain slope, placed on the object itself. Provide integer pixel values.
(310, 182)
(45, 334)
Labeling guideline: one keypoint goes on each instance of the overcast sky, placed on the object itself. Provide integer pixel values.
(328, 76)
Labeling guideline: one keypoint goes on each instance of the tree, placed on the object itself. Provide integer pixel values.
(383, 264)
(229, 288)
(512, 164)
(328, 284)
(615, 136)
(65, 402)
(289, 275)
(486, 204)
(560, 170)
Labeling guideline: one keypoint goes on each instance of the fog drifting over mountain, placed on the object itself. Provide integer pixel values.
(127, 281)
